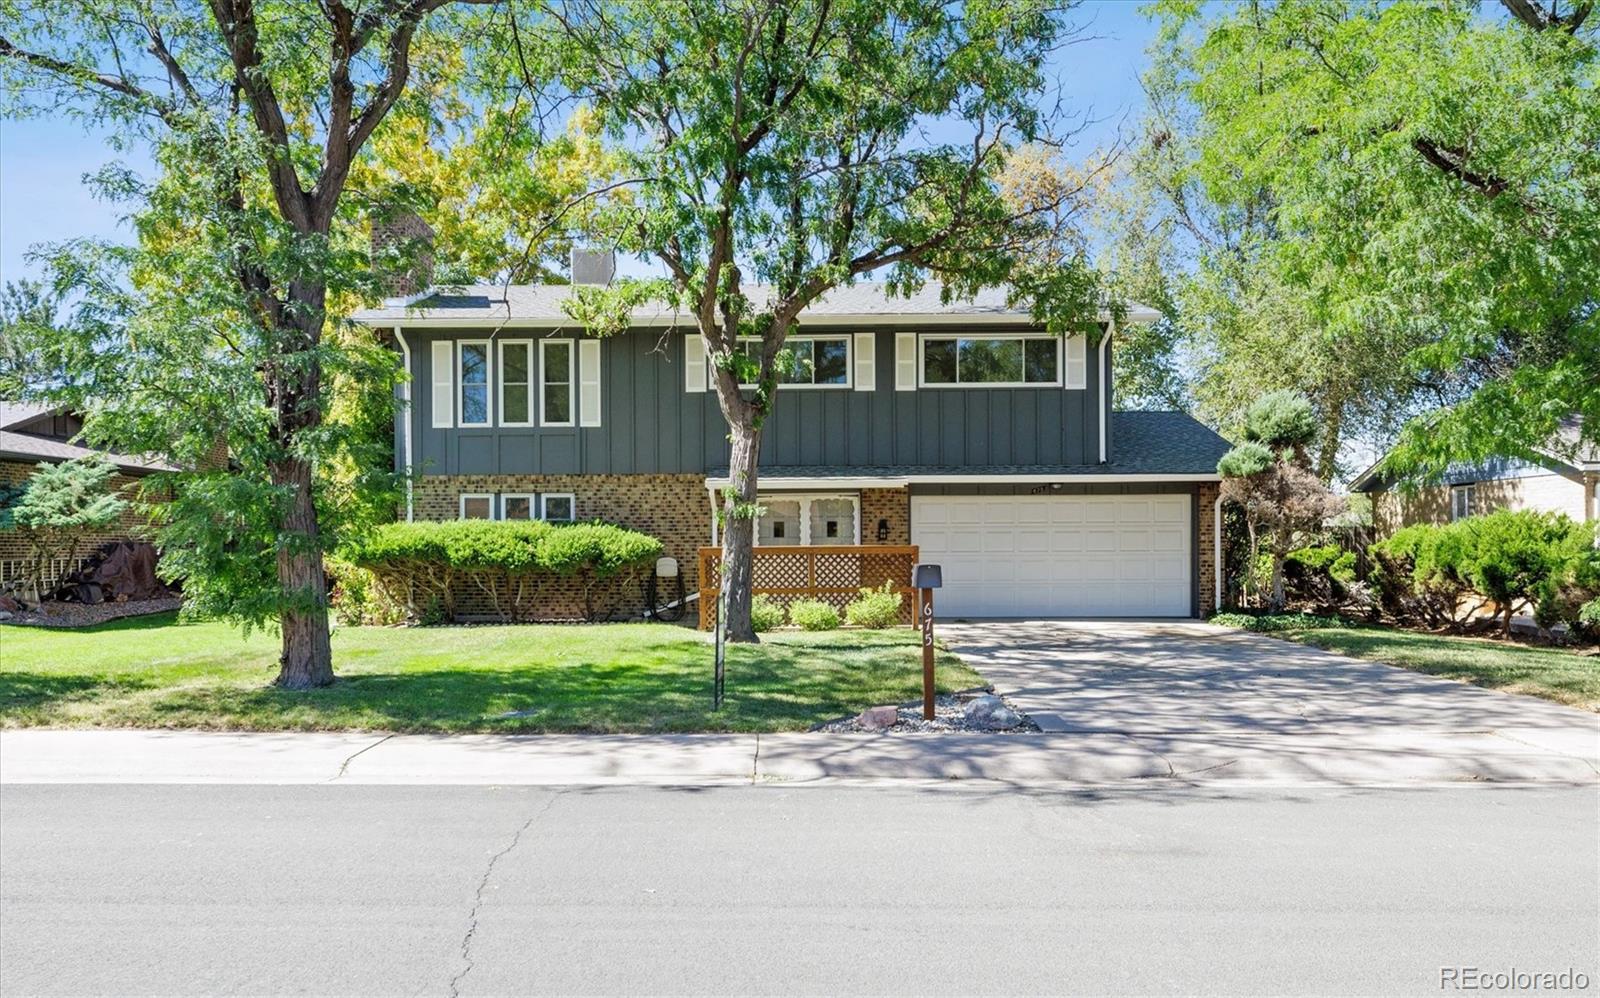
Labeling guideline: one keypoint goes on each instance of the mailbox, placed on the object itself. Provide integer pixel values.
(926, 577)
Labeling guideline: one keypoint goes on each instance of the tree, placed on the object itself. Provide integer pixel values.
(804, 146)
(1418, 183)
(1269, 476)
(211, 330)
(53, 511)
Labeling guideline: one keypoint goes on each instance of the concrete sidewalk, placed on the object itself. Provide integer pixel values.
(1399, 758)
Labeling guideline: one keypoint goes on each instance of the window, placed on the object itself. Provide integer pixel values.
(999, 361)
(555, 377)
(819, 361)
(475, 383)
(820, 519)
(557, 507)
(516, 383)
(477, 506)
(517, 506)
(1461, 497)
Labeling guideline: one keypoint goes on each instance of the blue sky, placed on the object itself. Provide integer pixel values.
(42, 162)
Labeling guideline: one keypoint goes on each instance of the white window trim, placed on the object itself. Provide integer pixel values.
(461, 503)
(533, 504)
(500, 383)
(849, 381)
(922, 342)
(1470, 491)
(572, 382)
(488, 384)
(806, 499)
(545, 497)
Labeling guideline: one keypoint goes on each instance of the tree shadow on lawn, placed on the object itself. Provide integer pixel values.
(28, 693)
(773, 687)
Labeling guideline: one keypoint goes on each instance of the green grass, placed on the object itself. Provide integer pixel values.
(154, 672)
(1551, 673)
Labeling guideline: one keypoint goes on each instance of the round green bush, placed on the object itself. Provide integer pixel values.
(813, 615)
(876, 608)
(765, 613)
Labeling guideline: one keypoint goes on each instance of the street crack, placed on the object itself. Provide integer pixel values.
(365, 748)
(483, 885)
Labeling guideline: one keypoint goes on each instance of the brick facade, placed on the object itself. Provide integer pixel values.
(890, 505)
(13, 543)
(1210, 557)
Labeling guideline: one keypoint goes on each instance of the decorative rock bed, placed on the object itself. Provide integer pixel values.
(969, 710)
(51, 614)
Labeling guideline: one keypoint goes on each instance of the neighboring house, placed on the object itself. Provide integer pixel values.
(33, 434)
(962, 428)
(1563, 478)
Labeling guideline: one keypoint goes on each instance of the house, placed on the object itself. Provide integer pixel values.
(962, 428)
(1562, 477)
(32, 434)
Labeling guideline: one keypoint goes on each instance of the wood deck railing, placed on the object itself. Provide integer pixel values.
(833, 573)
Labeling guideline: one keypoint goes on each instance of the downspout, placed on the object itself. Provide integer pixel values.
(1105, 385)
(405, 396)
(1216, 554)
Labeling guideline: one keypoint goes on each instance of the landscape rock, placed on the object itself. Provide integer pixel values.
(5, 614)
(990, 713)
(878, 718)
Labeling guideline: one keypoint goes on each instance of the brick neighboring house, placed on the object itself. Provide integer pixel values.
(31, 435)
(1563, 477)
(963, 428)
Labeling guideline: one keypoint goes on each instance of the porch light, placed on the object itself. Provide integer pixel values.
(883, 531)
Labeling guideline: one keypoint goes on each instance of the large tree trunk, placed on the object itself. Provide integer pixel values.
(307, 658)
(295, 393)
(738, 532)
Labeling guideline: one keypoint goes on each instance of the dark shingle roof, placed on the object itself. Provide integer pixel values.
(1142, 443)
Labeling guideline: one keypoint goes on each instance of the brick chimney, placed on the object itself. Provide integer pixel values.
(402, 253)
(593, 266)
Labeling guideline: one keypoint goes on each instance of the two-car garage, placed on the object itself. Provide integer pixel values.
(1053, 555)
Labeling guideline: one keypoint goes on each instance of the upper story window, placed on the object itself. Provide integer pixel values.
(819, 361)
(555, 378)
(1461, 501)
(1014, 361)
(474, 364)
(516, 383)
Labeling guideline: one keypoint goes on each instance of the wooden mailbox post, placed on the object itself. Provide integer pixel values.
(925, 579)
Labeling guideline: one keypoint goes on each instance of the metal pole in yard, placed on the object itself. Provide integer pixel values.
(721, 642)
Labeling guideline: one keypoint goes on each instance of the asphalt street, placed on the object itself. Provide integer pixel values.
(914, 889)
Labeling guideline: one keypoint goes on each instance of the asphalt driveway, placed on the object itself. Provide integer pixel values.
(1215, 700)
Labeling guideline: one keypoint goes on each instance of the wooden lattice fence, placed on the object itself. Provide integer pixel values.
(832, 573)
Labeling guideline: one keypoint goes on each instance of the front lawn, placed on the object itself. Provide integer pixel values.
(1551, 673)
(155, 672)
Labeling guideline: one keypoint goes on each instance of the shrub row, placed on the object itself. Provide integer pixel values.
(874, 608)
(1267, 622)
(418, 571)
(1428, 573)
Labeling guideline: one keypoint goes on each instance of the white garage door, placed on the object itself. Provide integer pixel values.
(1057, 556)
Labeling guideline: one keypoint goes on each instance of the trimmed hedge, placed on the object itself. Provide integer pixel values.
(424, 567)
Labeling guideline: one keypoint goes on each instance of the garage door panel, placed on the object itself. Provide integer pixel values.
(1058, 555)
